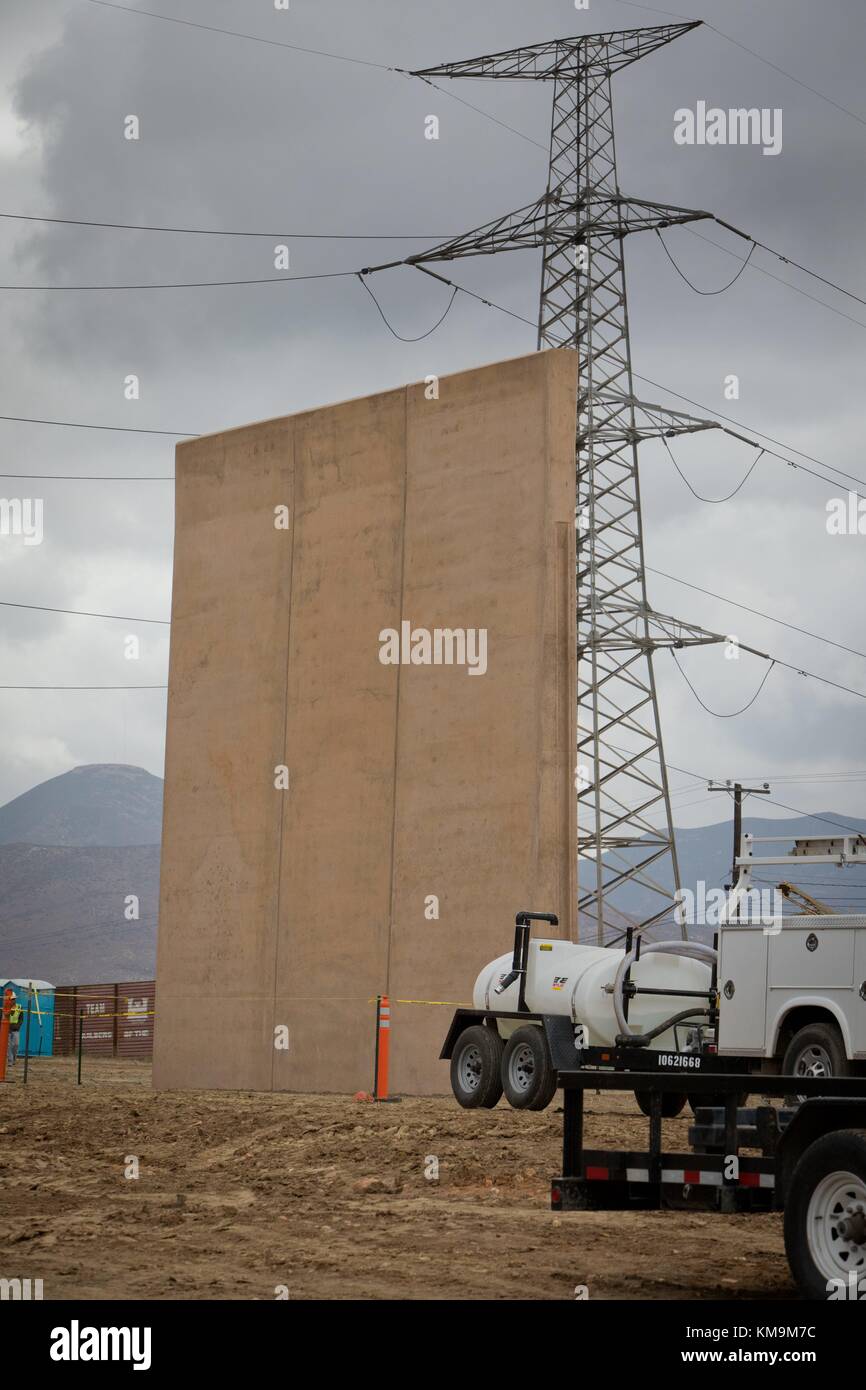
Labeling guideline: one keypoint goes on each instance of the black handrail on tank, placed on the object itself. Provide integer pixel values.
(520, 960)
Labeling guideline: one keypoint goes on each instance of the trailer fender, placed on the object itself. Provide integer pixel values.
(813, 1119)
(464, 1018)
(558, 1031)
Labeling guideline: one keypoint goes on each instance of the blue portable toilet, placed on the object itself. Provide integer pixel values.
(39, 994)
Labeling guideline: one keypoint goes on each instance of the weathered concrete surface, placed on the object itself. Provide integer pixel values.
(407, 783)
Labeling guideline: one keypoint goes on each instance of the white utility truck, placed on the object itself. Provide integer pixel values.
(781, 996)
(793, 992)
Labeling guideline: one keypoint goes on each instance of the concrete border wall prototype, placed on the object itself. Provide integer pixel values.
(327, 566)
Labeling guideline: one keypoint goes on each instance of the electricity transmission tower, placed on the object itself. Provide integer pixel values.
(625, 827)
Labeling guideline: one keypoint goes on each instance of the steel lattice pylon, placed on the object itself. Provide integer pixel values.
(624, 812)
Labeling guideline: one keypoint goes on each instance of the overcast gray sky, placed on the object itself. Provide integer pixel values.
(236, 134)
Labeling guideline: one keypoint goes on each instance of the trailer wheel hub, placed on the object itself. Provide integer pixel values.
(470, 1068)
(521, 1068)
(853, 1228)
(836, 1224)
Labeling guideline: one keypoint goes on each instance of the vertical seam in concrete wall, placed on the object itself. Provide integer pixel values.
(541, 672)
(571, 685)
(565, 647)
(288, 792)
(395, 762)
(571, 676)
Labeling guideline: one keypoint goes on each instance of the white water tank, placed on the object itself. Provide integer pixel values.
(563, 977)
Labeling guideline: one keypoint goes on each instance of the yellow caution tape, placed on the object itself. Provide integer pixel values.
(439, 1003)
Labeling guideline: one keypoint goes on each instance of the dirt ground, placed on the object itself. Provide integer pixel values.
(239, 1194)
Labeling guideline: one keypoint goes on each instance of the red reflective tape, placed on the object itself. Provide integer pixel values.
(750, 1180)
(693, 1176)
(599, 1174)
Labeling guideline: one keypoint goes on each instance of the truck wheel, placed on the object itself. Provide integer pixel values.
(528, 1076)
(816, 1050)
(475, 1068)
(825, 1216)
(672, 1104)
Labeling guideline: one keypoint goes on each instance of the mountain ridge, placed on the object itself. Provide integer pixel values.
(96, 804)
(76, 848)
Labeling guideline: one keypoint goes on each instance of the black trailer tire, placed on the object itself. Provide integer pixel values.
(816, 1050)
(673, 1103)
(476, 1068)
(825, 1216)
(528, 1074)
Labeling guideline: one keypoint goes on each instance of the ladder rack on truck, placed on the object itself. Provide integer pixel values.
(811, 1164)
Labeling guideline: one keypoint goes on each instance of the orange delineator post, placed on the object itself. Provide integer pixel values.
(8, 1000)
(383, 1045)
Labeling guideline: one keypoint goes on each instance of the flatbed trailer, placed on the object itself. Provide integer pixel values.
(808, 1161)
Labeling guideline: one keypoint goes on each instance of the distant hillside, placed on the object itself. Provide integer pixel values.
(72, 850)
(102, 804)
(75, 847)
(62, 913)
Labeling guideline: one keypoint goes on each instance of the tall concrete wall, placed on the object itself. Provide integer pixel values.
(425, 804)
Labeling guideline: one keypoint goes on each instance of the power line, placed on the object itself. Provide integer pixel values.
(79, 425)
(421, 336)
(472, 295)
(90, 477)
(765, 656)
(800, 83)
(321, 53)
(818, 882)
(762, 270)
(386, 67)
(733, 713)
(691, 286)
(715, 501)
(82, 613)
(190, 284)
(653, 9)
(806, 815)
(687, 805)
(754, 243)
(220, 231)
(811, 815)
(495, 119)
(804, 632)
(343, 274)
(110, 4)
(251, 38)
(83, 687)
(761, 433)
(787, 260)
(855, 774)
(779, 255)
(492, 304)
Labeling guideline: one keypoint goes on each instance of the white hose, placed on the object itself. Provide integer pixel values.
(693, 950)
